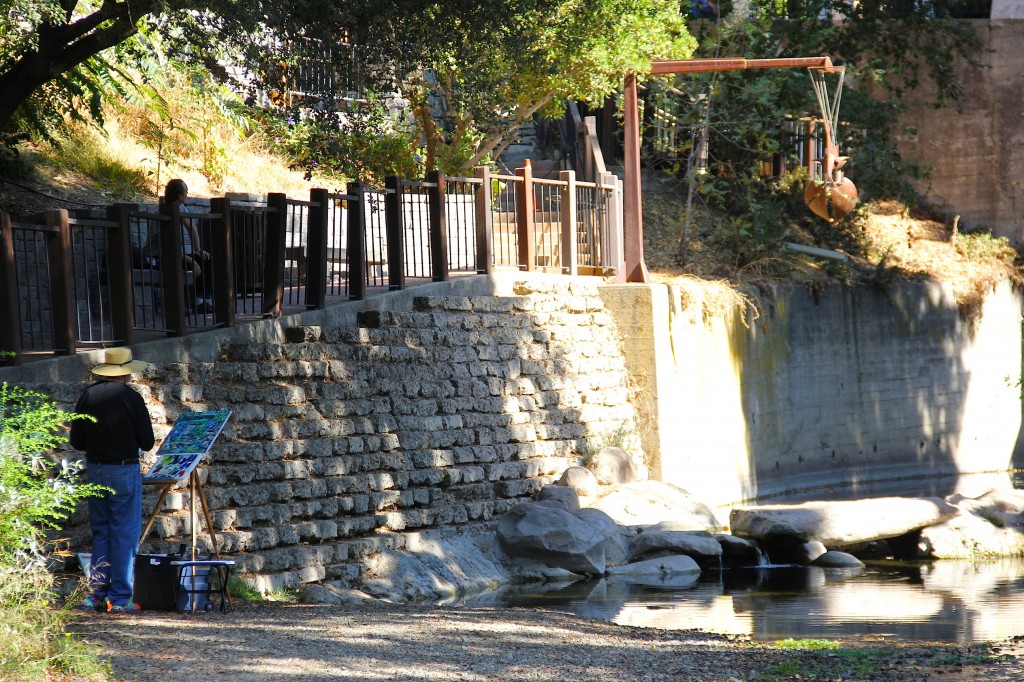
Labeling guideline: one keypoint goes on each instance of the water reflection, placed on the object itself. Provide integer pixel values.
(950, 601)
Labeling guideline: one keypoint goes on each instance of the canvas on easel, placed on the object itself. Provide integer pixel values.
(191, 437)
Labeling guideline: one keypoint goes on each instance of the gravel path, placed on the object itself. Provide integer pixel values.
(266, 641)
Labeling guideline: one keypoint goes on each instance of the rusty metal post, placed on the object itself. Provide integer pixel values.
(634, 269)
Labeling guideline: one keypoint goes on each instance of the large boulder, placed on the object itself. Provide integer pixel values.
(554, 537)
(834, 559)
(646, 503)
(670, 571)
(839, 524)
(613, 466)
(1004, 508)
(617, 537)
(559, 496)
(739, 551)
(580, 479)
(440, 565)
(970, 537)
(669, 538)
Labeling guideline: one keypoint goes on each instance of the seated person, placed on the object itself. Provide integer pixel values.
(176, 192)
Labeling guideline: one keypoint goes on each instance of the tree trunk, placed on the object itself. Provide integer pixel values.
(62, 47)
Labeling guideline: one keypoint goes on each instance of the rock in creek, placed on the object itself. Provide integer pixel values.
(667, 538)
(553, 536)
(839, 524)
(646, 503)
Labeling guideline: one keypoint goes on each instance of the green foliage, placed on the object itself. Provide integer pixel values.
(365, 143)
(33, 644)
(18, 23)
(77, 95)
(984, 247)
(740, 114)
(181, 111)
(240, 589)
(806, 644)
(827, 660)
(473, 73)
(36, 493)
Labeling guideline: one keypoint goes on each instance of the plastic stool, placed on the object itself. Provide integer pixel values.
(194, 588)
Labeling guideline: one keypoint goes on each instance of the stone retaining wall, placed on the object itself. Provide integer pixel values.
(344, 437)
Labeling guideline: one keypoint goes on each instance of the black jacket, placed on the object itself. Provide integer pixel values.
(122, 425)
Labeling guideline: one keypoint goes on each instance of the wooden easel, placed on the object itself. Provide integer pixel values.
(190, 439)
(195, 489)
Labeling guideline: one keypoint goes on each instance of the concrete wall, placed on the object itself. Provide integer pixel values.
(974, 150)
(827, 395)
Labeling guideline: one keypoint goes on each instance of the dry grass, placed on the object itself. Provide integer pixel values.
(923, 246)
(894, 243)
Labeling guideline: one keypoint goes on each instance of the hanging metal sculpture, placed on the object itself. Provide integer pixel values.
(830, 194)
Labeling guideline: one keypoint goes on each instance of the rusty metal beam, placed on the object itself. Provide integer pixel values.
(633, 268)
(739, 64)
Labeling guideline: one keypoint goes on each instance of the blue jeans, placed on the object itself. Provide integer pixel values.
(116, 523)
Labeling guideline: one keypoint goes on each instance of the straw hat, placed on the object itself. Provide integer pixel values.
(118, 362)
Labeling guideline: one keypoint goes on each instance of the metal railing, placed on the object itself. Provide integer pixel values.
(70, 281)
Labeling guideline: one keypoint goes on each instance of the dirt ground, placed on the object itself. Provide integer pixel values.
(268, 641)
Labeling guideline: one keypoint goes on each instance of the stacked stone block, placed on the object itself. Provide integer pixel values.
(446, 414)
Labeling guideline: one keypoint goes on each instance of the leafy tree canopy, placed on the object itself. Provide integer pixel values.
(473, 72)
(480, 67)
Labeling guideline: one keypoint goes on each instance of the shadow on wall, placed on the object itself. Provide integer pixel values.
(878, 386)
(446, 409)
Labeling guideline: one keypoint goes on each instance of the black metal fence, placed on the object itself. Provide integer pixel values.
(69, 281)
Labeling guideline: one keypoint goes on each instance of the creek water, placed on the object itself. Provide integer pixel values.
(940, 601)
(934, 601)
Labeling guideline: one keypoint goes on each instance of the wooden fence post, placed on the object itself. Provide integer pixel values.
(355, 244)
(438, 227)
(10, 315)
(221, 241)
(525, 238)
(484, 222)
(273, 255)
(58, 245)
(569, 219)
(316, 248)
(119, 274)
(172, 269)
(394, 221)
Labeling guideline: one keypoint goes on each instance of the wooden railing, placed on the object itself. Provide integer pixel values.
(69, 281)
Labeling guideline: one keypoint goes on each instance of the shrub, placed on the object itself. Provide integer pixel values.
(36, 493)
